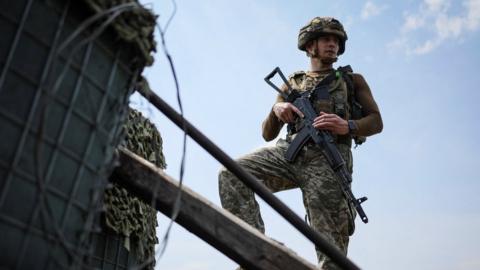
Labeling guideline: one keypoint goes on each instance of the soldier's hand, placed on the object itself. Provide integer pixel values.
(331, 122)
(286, 112)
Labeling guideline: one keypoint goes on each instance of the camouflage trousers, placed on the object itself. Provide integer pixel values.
(327, 210)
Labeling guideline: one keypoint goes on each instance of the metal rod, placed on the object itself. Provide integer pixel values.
(328, 249)
(13, 47)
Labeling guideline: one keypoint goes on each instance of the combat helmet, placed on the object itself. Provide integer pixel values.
(319, 26)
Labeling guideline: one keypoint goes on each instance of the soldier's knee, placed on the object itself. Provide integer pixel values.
(223, 174)
(224, 177)
(227, 181)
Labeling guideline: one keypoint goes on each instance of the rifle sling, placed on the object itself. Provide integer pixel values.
(320, 91)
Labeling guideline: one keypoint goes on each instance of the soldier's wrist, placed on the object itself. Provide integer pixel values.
(352, 127)
(273, 113)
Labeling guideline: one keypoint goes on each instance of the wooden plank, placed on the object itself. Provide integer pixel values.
(222, 230)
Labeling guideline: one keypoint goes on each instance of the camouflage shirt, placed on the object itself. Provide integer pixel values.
(369, 124)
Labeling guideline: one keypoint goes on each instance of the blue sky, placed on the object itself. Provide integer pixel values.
(421, 175)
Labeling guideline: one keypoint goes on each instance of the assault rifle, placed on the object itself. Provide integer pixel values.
(323, 138)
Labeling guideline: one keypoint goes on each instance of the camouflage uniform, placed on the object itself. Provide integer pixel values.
(327, 209)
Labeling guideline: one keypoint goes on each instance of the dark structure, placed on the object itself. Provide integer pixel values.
(66, 74)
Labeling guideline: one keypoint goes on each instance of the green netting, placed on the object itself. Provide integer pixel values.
(126, 217)
(135, 26)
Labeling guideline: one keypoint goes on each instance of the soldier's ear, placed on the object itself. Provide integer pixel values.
(311, 48)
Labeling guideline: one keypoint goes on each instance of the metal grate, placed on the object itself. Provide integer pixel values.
(110, 253)
(60, 118)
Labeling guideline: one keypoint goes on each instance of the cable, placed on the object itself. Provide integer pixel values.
(177, 203)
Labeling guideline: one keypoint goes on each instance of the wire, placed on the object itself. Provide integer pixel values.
(177, 203)
(112, 14)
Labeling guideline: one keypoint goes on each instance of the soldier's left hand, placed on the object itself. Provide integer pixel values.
(331, 122)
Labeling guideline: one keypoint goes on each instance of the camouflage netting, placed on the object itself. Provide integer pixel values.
(125, 214)
(135, 25)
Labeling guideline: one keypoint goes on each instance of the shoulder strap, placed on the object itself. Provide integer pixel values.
(346, 73)
(320, 91)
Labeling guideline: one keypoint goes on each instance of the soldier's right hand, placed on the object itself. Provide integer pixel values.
(286, 112)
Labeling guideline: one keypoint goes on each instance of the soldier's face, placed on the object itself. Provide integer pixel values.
(327, 46)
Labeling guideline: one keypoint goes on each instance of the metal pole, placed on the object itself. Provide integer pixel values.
(332, 252)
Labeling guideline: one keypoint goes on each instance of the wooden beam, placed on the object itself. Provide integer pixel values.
(222, 230)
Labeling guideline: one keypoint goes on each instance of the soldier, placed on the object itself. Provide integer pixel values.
(323, 39)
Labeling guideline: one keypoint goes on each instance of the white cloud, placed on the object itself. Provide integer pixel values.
(473, 15)
(426, 47)
(435, 6)
(434, 23)
(412, 22)
(449, 26)
(370, 9)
